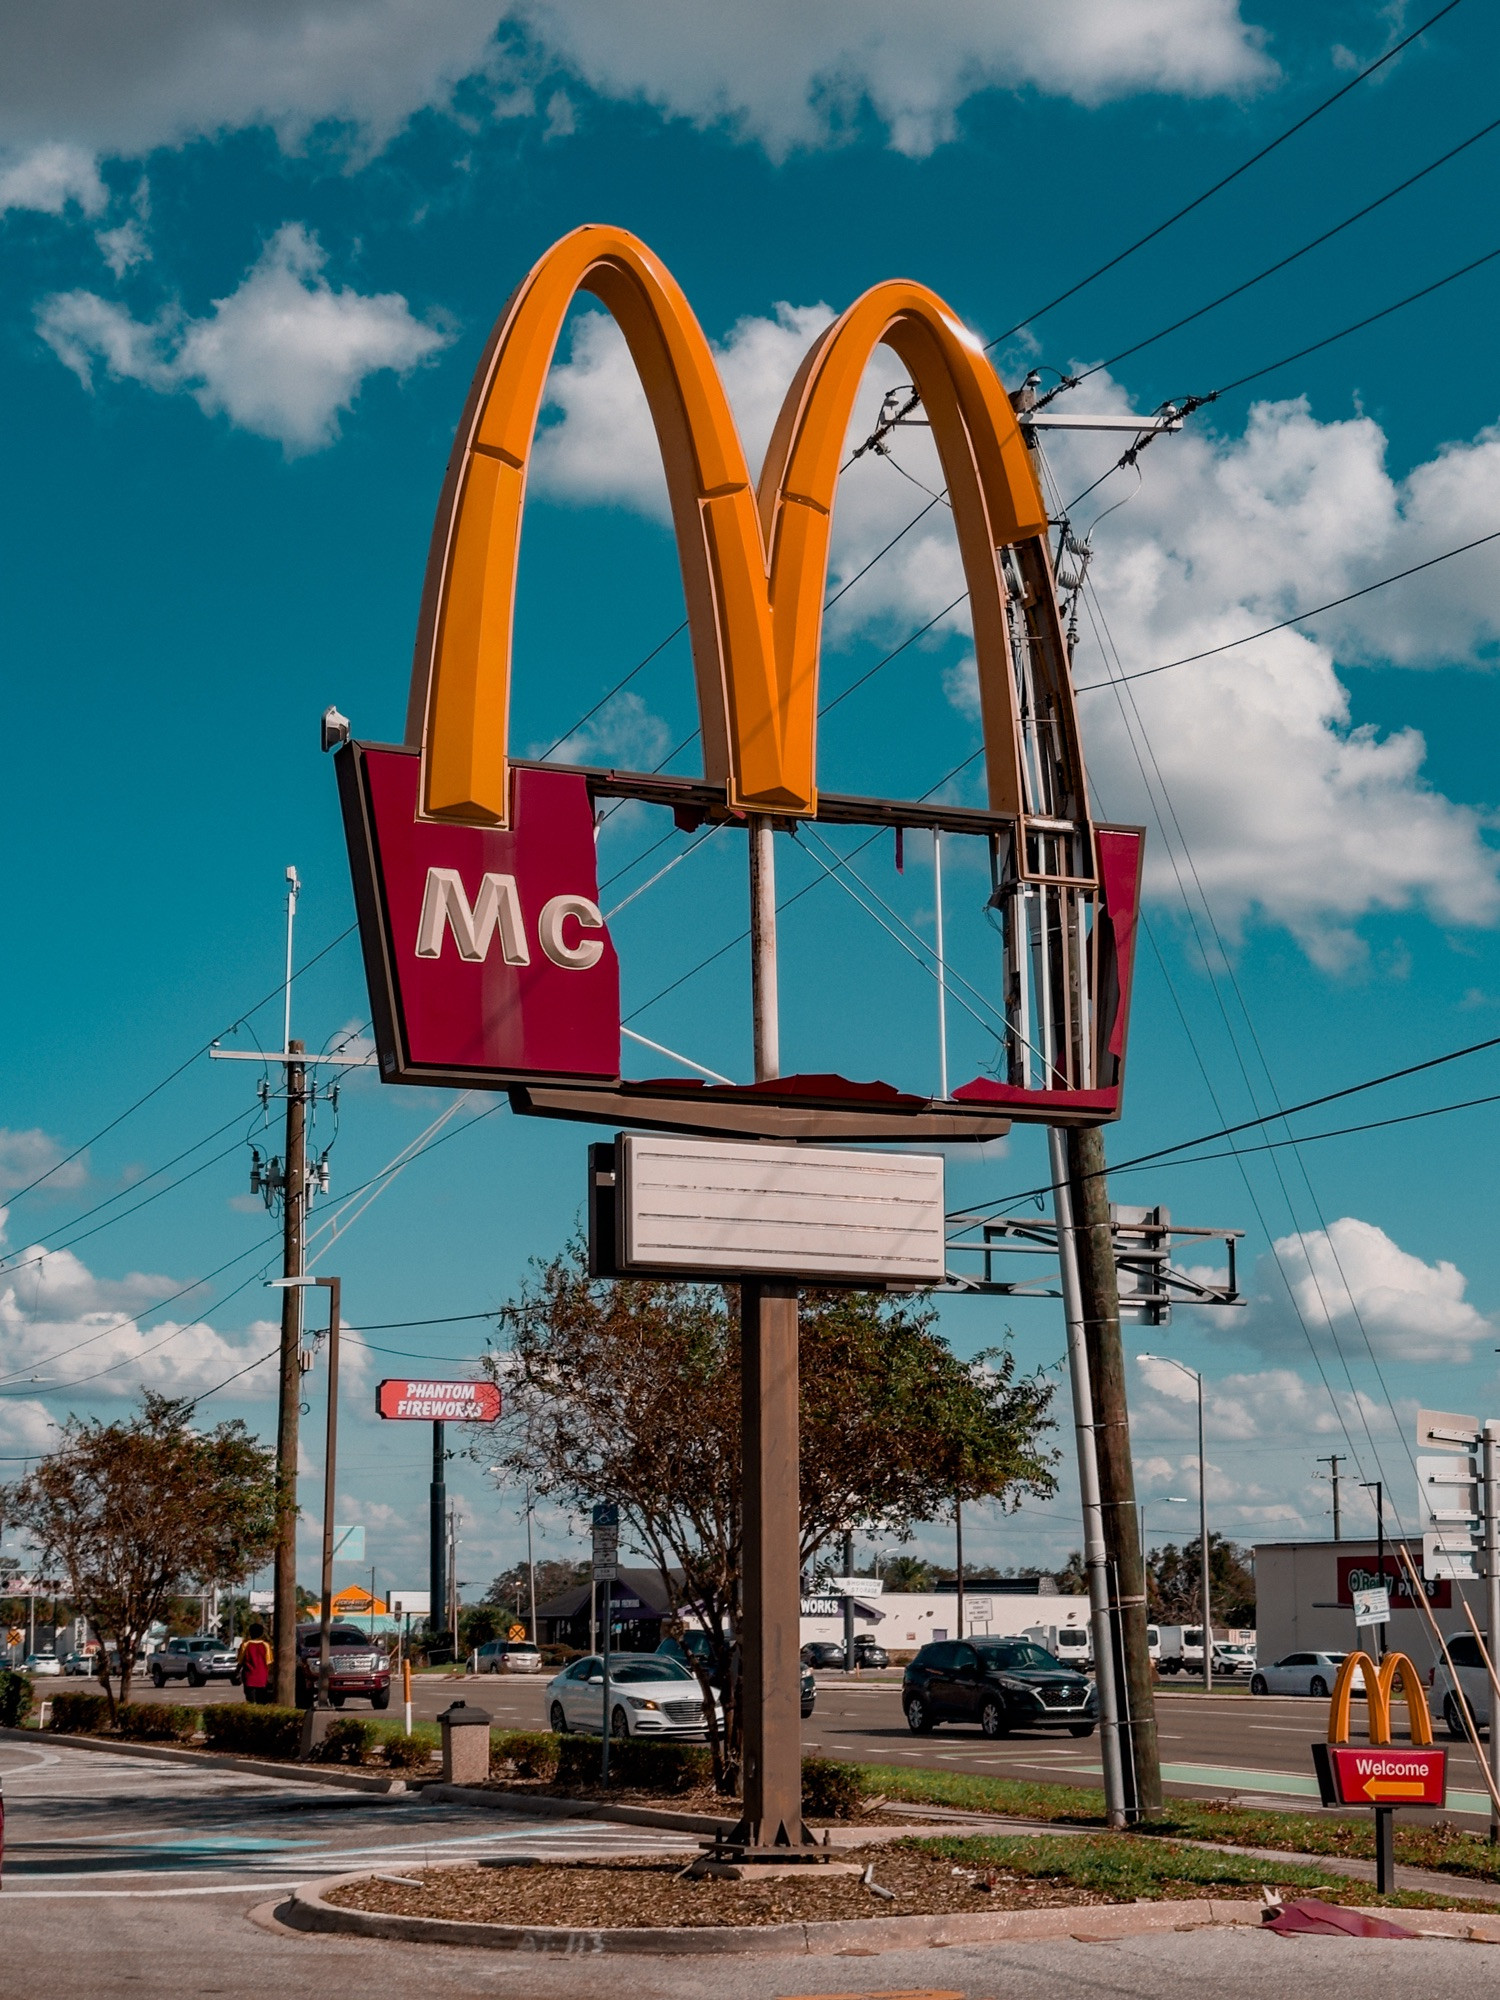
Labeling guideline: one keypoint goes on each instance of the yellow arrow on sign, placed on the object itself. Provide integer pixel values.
(1394, 1788)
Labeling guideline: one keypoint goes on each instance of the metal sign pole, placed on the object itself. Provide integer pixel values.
(1490, 1495)
(769, 1413)
(1094, 1555)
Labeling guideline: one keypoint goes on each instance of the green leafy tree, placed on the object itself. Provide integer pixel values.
(630, 1391)
(135, 1512)
(1174, 1583)
(907, 1573)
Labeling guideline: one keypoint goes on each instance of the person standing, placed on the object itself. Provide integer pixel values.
(255, 1661)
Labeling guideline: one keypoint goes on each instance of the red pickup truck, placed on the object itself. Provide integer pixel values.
(360, 1666)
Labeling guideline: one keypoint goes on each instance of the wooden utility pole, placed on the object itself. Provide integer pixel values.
(293, 1239)
(1099, 1287)
(1333, 1461)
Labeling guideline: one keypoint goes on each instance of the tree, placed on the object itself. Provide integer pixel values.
(137, 1511)
(907, 1573)
(512, 1588)
(1174, 1582)
(630, 1391)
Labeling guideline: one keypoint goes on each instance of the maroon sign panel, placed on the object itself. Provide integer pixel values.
(1371, 1776)
(438, 1402)
(1364, 1573)
(485, 948)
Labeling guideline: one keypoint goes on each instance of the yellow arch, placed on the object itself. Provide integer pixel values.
(1379, 1685)
(754, 565)
(994, 497)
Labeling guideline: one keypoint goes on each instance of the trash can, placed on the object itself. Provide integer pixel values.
(466, 1744)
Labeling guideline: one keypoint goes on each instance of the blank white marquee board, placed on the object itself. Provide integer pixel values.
(704, 1205)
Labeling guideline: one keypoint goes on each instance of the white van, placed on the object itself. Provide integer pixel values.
(1181, 1649)
(1072, 1644)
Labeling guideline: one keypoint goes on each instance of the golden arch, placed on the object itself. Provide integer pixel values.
(754, 561)
(1379, 1685)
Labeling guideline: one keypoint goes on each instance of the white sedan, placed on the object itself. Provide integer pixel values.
(649, 1695)
(1304, 1673)
(43, 1663)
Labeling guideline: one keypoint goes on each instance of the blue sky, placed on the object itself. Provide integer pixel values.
(251, 256)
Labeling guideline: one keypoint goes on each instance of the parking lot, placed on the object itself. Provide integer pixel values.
(1254, 1745)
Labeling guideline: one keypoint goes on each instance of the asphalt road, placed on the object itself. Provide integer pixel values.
(145, 1877)
(1256, 1746)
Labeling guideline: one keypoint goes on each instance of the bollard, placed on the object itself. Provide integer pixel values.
(466, 1744)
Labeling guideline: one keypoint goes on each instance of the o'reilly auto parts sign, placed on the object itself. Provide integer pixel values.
(438, 1402)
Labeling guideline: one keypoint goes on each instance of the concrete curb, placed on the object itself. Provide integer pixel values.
(255, 1767)
(308, 1910)
(551, 1807)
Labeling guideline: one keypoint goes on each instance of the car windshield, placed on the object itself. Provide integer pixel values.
(348, 1635)
(1019, 1655)
(203, 1645)
(658, 1668)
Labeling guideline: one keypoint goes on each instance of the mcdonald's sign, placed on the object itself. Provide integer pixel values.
(488, 957)
(1380, 1773)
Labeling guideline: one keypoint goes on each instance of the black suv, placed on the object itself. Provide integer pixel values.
(1002, 1684)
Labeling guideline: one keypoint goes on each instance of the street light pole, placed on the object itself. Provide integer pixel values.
(1205, 1605)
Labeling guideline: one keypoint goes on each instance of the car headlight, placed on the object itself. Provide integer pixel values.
(1015, 1687)
(639, 1701)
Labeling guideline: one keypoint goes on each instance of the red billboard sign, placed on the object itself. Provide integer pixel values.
(485, 949)
(1371, 1775)
(1365, 1573)
(424, 1402)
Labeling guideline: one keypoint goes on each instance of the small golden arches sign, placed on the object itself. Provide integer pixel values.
(1379, 1683)
(754, 556)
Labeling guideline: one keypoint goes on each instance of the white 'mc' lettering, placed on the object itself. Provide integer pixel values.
(497, 907)
(549, 932)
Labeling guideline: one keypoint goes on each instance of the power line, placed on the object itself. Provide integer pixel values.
(1297, 618)
(1357, 326)
(1219, 185)
(276, 991)
(1073, 381)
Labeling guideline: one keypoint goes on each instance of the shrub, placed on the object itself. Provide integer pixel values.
(532, 1753)
(15, 1699)
(659, 1767)
(257, 1731)
(830, 1790)
(407, 1753)
(157, 1721)
(80, 1714)
(347, 1741)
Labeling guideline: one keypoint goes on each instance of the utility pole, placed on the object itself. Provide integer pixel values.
(1377, 1486)
(530, 1568)
(288, 1179)
(958, 1557)
(1095, 1556)
(293, 1245)
(848, 1602)
(1333, 1461)
(1100, 1308)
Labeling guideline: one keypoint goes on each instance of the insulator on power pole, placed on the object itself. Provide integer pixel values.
(305, 1358)
(320, 1175)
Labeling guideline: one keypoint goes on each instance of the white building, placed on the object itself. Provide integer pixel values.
(1304, 1597)
(901, 1621)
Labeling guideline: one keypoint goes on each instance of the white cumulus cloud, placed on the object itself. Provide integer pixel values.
(788, 74)
(30, 1155)
(283, 356)
(46, 177)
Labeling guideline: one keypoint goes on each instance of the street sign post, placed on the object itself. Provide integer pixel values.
(606, 1529)
(403, 1399)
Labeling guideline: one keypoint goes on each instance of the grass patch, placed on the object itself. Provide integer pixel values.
(1134, 1867)
(1435, 1844)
